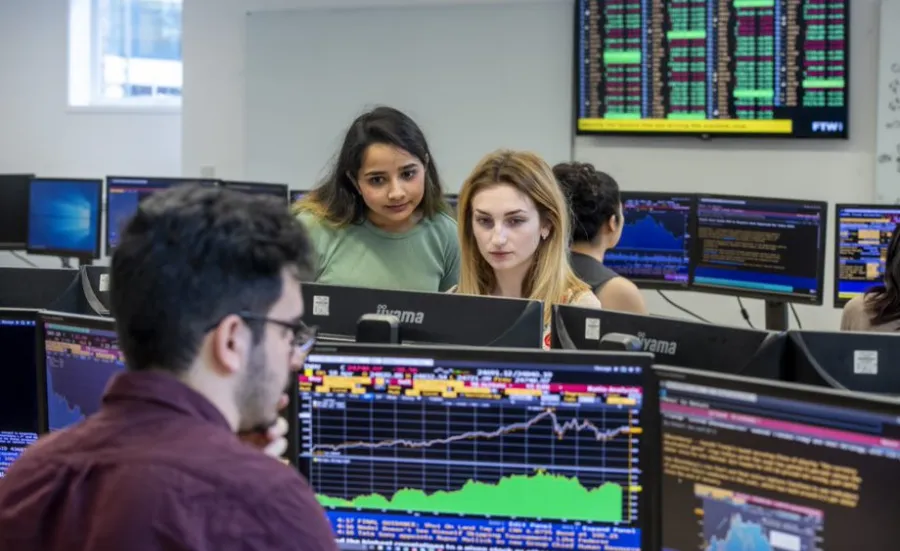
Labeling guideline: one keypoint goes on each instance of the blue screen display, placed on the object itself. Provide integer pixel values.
(64, 216)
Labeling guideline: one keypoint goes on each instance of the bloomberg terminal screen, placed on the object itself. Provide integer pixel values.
(757, 245)
(656, 238)
(420, 453)
(18, 399)
(758, 67)
(80, 361)
(743, 470)
(864, 234)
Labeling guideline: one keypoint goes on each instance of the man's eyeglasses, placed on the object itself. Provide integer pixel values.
(304, 335)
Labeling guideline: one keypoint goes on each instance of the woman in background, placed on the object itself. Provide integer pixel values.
(514, 234)
(597, 222)
(379, 219)
(878, 310)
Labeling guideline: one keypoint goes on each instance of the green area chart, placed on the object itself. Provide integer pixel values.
(543, 496)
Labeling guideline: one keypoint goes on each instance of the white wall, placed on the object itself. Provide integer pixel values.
(214, 129)
(40, 134)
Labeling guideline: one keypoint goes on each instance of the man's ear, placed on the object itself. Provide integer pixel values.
(230, 342)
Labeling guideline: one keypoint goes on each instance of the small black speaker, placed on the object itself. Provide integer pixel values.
(378, 329)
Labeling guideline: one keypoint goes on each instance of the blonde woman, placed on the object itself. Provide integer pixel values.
(513, 234)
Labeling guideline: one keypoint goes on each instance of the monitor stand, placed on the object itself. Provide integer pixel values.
(777, 316)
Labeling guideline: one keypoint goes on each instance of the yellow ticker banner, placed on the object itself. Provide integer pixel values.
(714, 126)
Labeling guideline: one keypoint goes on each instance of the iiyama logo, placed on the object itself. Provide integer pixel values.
(657, 346)
(405, 316)
(827, 126)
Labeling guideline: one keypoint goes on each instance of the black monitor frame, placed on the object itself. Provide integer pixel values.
(25, 180)
(653, 284)
(852, 361)
(171, 181)
(45, 316)
(776, 303)
(838, 302)
(82, 256)
(264, 188)
(651, 437)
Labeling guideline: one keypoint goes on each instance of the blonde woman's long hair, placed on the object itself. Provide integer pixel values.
(550, 278)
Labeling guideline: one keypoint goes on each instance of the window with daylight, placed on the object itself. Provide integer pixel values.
(125, 53)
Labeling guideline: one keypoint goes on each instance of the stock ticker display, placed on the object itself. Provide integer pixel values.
(655, 242)
(757, 67)
(80, 362)
(864, 234)
(425, 454)
(18, 399)
(773, 247)
(753, 472)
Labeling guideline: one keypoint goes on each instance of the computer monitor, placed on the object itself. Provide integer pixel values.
(655, 248)
(279, 191)
(772, 249)
(18, 385)
(862, 235)
(452, 200)
(64, 217)
(297, 194)
(861, 362)
(421, 447)
(672, 341)
(753, 464)
(77, 356)
(125, 193)
(37, 288)
(436, 318)
(14, 211)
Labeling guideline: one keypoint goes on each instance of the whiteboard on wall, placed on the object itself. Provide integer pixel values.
(887, 127)
(475, 78)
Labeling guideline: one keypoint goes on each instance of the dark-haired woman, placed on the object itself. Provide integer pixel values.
(597, 223)
(878, 310)
(380, 219)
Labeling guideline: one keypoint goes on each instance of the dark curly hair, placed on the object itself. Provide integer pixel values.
(593, 198)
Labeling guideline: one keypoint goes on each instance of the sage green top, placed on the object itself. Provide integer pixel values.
(425, 258)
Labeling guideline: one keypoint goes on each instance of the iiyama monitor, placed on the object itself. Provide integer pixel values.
(676, 342)
(435, 318)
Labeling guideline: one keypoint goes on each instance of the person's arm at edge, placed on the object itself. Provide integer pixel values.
(587, 299)
(318, 236)
(451, 259)
(622, 295)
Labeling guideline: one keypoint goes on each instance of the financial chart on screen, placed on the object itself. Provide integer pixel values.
(412, 452)
(18, 400)
(655, 243)
(745, 469)
(763, 67)
(864, 233)
(80, 361)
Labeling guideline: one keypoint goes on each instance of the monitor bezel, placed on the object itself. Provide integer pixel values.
(227, 184)
(26, 178)
(44, 316)
(205, 182)
(838, 302)
(576, 100)
(292, 192)
(650, 413)
(98, 222)
(813, 300)
(655, 284)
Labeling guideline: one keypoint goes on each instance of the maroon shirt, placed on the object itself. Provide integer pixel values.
(157, 468)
